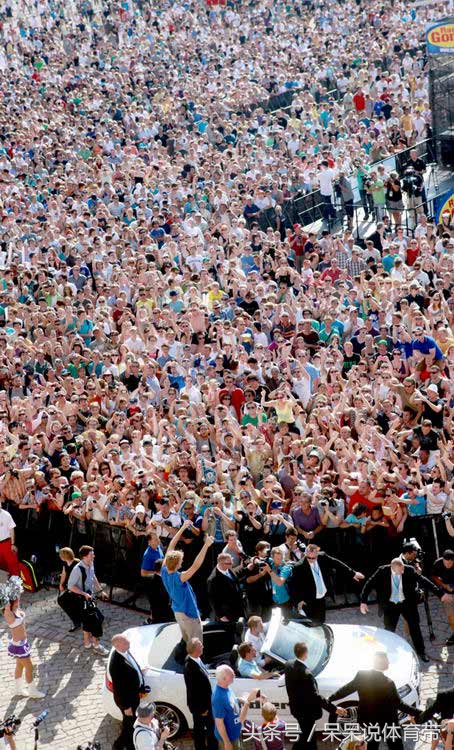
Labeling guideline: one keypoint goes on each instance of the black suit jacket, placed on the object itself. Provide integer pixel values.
(379, 701)
(126, 682)
(302, 690)
(443, 704)
(381, 582)
(198, 687)
(225, 596)
(301, 583)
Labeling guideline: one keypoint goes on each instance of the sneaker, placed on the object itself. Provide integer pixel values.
(87, 645)
(450, 640)
(33, 692)
(75, 627)
(21, 689)
(100, 650)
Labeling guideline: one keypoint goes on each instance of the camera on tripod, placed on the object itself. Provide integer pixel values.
(9, 726)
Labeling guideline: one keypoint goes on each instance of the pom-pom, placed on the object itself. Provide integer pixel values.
(10, 591)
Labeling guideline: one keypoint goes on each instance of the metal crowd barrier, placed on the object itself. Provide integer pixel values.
(119, 552)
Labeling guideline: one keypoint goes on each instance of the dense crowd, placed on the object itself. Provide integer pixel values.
(162, 357)
(177, 357)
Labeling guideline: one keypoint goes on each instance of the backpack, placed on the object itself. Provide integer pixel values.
(29, 577)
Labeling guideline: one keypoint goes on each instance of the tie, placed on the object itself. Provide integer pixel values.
(134, 664)
(202, 666)
(319, 581)
(395, 596)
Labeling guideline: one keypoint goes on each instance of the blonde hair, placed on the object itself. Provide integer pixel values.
(352, 743)
(66, 554)
(173, 560)
(269, 711)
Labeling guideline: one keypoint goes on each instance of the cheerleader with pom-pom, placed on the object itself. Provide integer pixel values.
(18, 646)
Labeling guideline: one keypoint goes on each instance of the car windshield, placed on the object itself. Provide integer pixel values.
(282, 638)
(162, 649)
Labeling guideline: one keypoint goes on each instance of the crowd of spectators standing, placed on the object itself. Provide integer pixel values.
(162, 358)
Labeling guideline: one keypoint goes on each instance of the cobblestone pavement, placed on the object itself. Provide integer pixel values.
(73, 679)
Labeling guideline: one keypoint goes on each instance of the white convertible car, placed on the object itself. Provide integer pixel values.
(336, 652)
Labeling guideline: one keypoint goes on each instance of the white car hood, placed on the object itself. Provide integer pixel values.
(353, 649)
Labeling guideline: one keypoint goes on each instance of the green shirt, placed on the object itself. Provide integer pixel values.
(247, 419)
(378, 193)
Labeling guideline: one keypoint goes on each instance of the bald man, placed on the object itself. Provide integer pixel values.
(127, 684)
(397, 588)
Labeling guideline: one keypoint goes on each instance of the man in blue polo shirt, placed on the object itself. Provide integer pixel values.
(152, 553)
(426, 345)
(227, 716)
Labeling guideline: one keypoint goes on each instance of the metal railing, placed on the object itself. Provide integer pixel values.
(308, 209)
(119, 552)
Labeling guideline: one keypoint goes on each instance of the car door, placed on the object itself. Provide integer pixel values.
(273, 689)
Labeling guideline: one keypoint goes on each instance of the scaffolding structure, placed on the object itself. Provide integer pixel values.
(441, 93)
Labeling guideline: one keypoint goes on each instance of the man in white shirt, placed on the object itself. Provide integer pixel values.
(147, 735)
(167, 521)
(256, 635)
(326, 177)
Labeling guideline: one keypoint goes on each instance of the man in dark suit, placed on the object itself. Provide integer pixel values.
(443, 705)
(398, 592)
(198, 696)
(308, 584)
(224, 592)
(379, 701)
(127, 685)
(305, 702)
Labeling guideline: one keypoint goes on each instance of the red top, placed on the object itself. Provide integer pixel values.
(359, 101)
(236, 399)
(358, 498)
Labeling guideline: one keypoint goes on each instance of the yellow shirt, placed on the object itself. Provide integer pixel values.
(444, 346)
(284, 411)
(214, 297)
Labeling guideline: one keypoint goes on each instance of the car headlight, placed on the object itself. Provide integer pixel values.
(404, 690)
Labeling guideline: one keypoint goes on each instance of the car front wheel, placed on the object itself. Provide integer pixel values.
(171, 717)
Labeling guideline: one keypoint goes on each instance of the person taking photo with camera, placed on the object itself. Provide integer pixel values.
(147, 733)
(84, 583)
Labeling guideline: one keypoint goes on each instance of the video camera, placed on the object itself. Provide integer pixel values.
(9, 726)
(411, 182)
